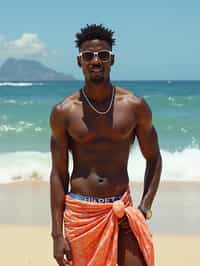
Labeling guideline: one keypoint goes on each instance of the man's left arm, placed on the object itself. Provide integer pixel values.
(148, 142)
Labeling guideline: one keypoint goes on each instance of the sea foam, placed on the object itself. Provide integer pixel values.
(30, 165)
(176, 166)
(19, 84)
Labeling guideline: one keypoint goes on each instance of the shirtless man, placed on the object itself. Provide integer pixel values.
(98, 124)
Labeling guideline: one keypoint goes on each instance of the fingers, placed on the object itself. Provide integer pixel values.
(63, 260)
(67, 262)
(62, 252)
(60, 261)
(68, 254)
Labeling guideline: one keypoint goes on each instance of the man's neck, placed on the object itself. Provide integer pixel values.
(98, 92)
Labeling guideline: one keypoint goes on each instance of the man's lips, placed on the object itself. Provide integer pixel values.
(96, 70)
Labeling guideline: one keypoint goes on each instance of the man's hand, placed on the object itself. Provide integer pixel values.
(62, 251)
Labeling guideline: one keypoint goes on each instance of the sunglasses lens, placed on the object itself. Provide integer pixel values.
(104, 55)
(87, 56)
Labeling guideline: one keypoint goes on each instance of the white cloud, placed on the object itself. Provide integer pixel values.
(28, 44)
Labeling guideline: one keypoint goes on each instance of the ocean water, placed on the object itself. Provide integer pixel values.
(24, 127)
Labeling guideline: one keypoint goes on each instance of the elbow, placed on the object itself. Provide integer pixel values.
(155, 158)
(158, 166)
(155, 162)
(60, 180)
(54, 177)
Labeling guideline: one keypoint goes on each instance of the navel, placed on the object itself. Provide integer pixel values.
(101, 180)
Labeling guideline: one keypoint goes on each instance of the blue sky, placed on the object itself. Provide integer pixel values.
(154, 39)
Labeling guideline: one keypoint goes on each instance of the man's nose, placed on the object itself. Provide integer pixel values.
(95, 59)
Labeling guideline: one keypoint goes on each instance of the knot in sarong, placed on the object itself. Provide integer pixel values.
(118, 208)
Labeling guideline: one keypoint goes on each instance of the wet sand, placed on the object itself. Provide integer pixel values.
(175, 208)
(25, 223)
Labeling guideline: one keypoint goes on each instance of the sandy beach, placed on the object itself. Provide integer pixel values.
(31, 245)
(25, 224)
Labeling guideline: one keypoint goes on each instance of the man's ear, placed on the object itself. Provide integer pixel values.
(79, 61)
(112, 59)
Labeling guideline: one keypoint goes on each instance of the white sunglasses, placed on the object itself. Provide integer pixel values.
(103, 55)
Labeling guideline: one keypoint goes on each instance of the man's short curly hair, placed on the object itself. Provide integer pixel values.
(94, 31)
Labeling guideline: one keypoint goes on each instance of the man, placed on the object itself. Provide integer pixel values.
(98, 124)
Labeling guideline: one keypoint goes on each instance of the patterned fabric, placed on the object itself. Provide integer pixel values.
(92, 230)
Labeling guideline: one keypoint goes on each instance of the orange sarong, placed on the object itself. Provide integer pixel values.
(92, 230)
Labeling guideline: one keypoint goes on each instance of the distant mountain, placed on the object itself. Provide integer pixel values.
(29, 70)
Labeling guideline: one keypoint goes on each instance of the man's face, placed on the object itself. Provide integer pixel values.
(95, 70)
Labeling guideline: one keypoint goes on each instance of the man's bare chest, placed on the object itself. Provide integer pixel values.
(85, 125)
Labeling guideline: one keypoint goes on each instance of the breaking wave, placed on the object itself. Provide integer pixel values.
(33, 165)
(19, 84)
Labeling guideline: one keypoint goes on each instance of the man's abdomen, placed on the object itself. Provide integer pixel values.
(103, 178)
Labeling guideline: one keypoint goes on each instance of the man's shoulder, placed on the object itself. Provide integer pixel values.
(67, 103)
(129, 96)
(61, 111)
(138, 104)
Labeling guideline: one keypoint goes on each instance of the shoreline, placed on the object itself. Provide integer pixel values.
(174, 208)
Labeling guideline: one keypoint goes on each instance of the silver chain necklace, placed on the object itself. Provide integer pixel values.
(92, 106)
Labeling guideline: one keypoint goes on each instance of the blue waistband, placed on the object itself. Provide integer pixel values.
(94, 199)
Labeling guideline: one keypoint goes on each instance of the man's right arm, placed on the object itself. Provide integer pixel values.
(59, 180)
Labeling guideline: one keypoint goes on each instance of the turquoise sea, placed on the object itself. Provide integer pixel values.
(25, 133)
